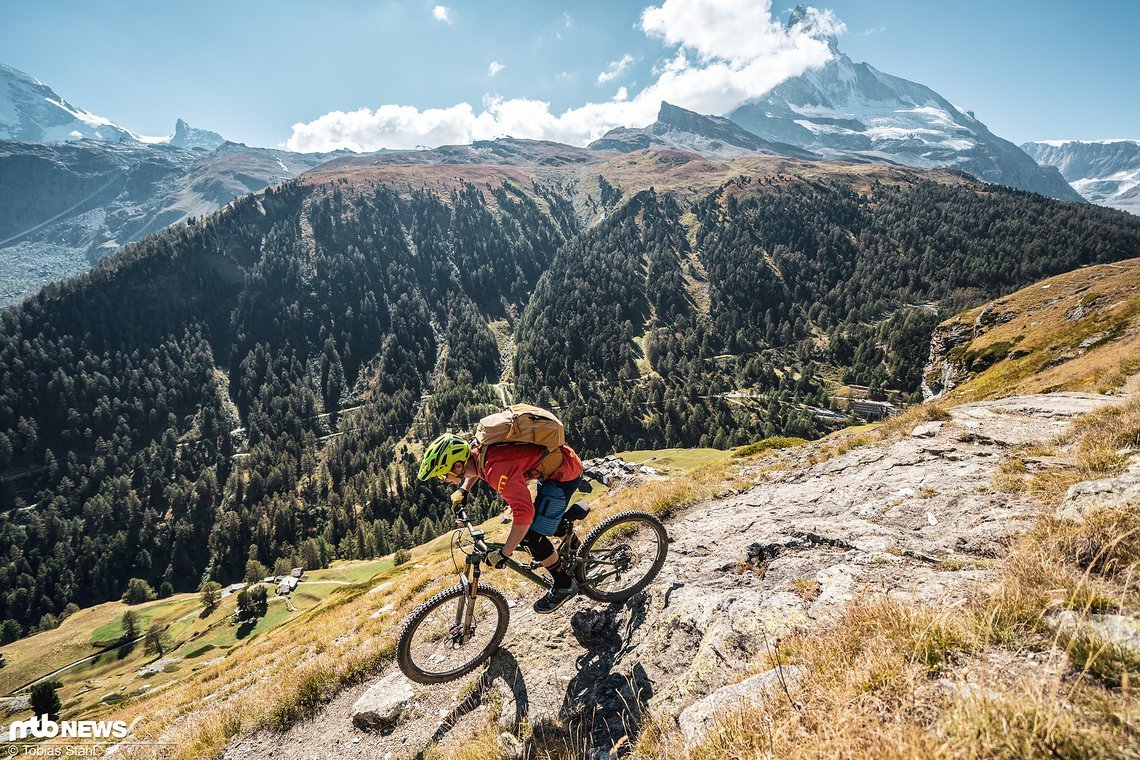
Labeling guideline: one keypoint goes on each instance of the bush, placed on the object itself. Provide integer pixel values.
(138, 591)
(402, 556)
(44, 699)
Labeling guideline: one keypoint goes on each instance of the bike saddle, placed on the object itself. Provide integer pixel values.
(579, 510)
(575, 512)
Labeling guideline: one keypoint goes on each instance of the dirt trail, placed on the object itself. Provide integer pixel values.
(914, 518)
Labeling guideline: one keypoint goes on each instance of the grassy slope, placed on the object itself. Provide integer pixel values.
(1040, 335)
(195, 638)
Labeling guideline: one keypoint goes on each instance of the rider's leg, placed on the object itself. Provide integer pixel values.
(553, 497)
(543, 551)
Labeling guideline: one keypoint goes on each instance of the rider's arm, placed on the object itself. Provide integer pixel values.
(514, 537)
(507, 477)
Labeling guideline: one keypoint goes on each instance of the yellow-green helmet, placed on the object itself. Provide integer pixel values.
(442, 454)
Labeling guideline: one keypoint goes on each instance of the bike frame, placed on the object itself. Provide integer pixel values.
(469, 577)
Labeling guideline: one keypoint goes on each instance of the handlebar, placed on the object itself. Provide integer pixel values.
(463, 521)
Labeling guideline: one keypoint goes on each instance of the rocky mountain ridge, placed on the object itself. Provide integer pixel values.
(1103, 171)
(680, 129)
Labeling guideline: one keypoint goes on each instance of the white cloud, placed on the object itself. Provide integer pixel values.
(441, 13)
(565, 75)
(615, 69)
(727, 52)
(494, 68)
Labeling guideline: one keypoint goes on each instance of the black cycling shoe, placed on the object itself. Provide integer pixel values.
(554, 599)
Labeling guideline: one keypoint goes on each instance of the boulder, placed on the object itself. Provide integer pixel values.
(1092, 496)
(1116, 630)
(383, 704)
(927, 430)
(696, 719)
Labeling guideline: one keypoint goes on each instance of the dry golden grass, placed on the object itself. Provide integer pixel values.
(483, 745)
(1099, 443)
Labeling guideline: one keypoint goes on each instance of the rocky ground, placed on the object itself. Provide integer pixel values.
(914, 518)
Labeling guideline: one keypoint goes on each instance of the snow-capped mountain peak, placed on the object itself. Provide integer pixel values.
(30, 111)
(852, 111)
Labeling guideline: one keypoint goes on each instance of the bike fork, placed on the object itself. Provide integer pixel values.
(465, 606)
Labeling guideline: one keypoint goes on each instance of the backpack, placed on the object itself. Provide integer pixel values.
(523, 423)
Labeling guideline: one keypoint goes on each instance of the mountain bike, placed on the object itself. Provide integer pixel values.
(458, 629)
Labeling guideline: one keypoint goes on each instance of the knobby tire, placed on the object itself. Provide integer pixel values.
(639, 517)
(451, 595)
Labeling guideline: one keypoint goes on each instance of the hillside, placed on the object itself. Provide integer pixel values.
(904, 544)
(1079, 331)
(888, 575)
(253, 388)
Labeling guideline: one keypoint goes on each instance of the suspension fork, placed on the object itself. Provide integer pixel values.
(465, 608)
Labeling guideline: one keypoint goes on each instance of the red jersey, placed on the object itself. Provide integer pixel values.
(509, 467)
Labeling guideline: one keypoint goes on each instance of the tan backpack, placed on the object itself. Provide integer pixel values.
(523, 423)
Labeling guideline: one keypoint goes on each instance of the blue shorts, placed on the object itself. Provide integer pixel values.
(550, 504)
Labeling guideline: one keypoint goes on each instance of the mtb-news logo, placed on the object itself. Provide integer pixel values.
(43, 727)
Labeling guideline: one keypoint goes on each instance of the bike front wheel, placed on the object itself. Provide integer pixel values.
(437, 644)
(621, 556)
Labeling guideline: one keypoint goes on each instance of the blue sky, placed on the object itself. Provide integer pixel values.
(252, 69)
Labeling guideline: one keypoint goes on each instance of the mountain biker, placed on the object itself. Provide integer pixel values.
(507, 468)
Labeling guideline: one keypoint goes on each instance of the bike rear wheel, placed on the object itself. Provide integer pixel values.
(621, 556)
(435, 646)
